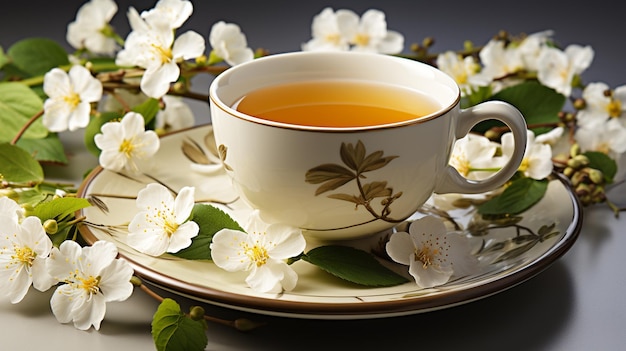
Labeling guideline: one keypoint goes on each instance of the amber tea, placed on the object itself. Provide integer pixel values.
(336, 103)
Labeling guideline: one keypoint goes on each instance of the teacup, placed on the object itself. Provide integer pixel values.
(348, 175)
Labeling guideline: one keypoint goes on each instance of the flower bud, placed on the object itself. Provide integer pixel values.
(583, 190)
(568, 172)
(196, 313)
(578, 161)
(596, 176)
(574, 150)
(51, 226)
(579, 104)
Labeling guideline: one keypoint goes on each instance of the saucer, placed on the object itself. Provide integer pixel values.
(506, 260)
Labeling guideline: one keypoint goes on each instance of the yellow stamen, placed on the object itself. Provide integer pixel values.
(614, 108)
(127, 147)
(72, 99)
(165, 54)
(257, 254)
(362, 39)
(90, 284)
(24, 255)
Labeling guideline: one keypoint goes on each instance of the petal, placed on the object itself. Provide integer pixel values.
(56, 116)
(42, 281)
(189, 45)
(428, 277)
(226, 250)
(267, 278)
(347, 23)
(156, 82)
(132, 124)
(392, 43)
(79, 118)
(85, 85)
(63, 260)
(63, 301)
(97, 257)
(56, 83)
(288, 241)
(115, 281)
(183, 204)
(153, 242)
(400, 248)
(152, 194)
(181, 239)
(91, 312)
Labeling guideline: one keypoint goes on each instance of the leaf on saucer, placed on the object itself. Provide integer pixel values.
(210, 219)
(353, 265)
(172, 330)
(520, 195)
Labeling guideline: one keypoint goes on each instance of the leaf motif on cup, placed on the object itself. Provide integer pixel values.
(356, 162)
(222, 150)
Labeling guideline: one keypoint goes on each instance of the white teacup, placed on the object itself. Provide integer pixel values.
(341, 183)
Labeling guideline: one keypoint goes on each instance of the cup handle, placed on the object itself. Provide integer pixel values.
(452, 181)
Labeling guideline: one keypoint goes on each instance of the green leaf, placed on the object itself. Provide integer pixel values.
(60, 208)
(210, 219)
(353, 265)
(148, 109)
(172, 330)
(18, 166)
(94, 126)
(604, 163)
(48, 149)
(516, 198)
(538, 103)
(36, 56)
(18, 103)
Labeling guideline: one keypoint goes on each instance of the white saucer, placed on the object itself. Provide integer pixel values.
(318, 295)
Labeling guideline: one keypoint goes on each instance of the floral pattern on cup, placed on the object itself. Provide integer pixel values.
(356, 162)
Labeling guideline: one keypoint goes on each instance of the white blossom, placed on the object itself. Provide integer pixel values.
(162, 223)
(151, 46)
(345, 30)
(175, 116)
(558, 68)
(262, 250)
(91, 26)
(24, 248)
(126, 145)
(229, 43)
(473, 157)
(530, 49)
(90, 277)
(537, 161)
(608, 137)
(70, 95)
(500, 60)
(467, 72)
(369, 33)
(326, 34)
(433, 255)
(601, 103)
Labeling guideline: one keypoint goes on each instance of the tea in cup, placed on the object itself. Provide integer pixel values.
(344, 145)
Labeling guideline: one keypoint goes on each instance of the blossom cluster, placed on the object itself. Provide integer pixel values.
(151, 46)
(87, 278)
